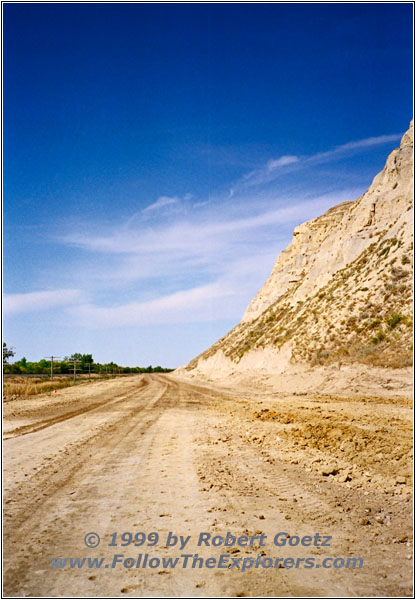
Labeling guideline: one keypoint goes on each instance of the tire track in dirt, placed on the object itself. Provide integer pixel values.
(38, 425)
(174, 457)
(42, 495)
(132, 459)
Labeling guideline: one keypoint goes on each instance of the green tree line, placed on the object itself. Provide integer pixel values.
(85, 364)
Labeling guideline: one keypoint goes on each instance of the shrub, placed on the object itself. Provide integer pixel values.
(374, 323)
(394, 320)
(378, 338)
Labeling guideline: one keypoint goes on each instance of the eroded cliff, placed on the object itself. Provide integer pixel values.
(341, 291)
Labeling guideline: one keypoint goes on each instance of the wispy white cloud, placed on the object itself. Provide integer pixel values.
(188, 306)
(162, 202)
(264, 174)
(198, 261)
(164, 206)
(188, 270)
(368, 142)
(35, 301)
(281, 162)
(274, 168)
(272, 165)
(351, 147)
(191, 238)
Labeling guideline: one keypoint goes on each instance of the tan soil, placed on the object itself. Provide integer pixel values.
(155, 453)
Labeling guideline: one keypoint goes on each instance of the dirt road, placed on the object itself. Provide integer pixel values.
(151, 453)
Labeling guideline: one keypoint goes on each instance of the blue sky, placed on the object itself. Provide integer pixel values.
(157, 158)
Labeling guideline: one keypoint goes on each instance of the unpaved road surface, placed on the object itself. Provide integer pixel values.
(152, 453)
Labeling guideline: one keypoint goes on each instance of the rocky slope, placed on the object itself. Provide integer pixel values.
(340, 293)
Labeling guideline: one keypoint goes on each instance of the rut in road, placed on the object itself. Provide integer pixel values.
(36, 502)
(38, 425)
(163, 457)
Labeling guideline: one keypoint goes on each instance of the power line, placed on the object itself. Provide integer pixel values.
(51, 358)
(75, 361)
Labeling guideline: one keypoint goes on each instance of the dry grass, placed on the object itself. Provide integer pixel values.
(25, 386)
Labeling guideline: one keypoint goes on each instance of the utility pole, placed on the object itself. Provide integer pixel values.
(51, 359)
(75, 361)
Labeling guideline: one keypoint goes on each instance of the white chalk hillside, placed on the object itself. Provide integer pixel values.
(341, 292)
